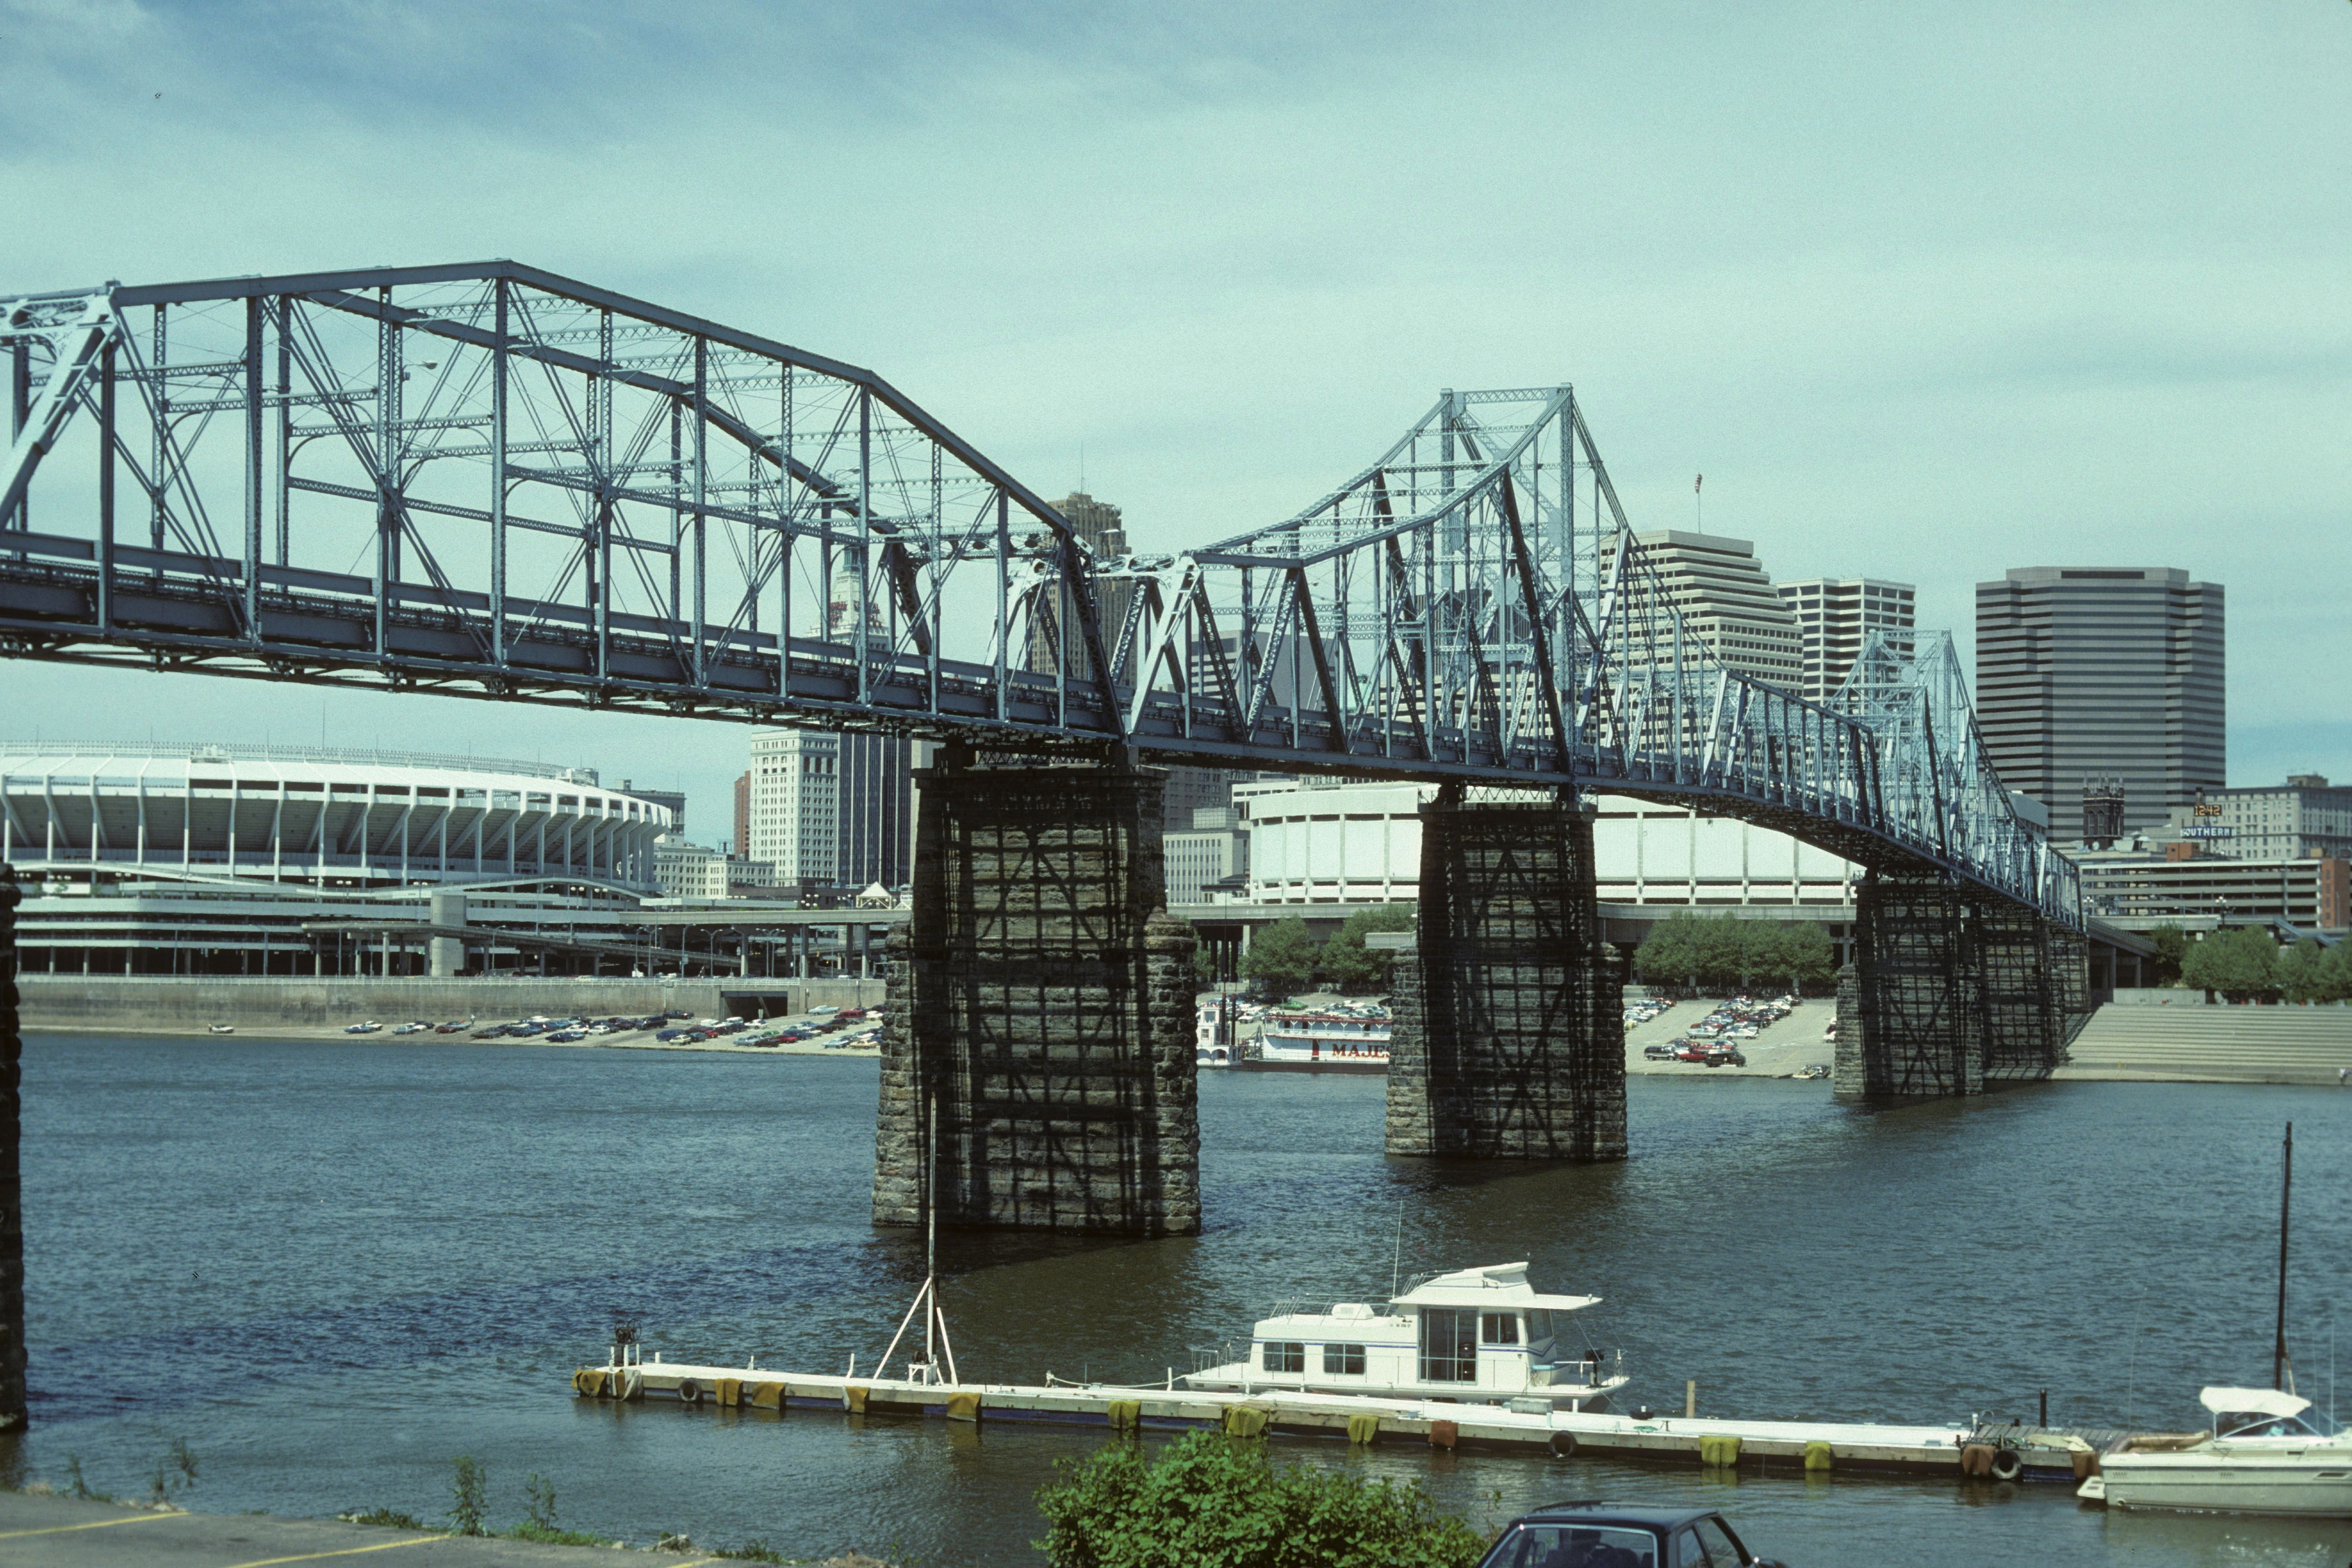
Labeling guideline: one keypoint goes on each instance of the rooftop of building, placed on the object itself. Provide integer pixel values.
(79, 755)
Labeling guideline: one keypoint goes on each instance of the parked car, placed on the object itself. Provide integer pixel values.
(1726, 1056)
(566, 1037)
(1620, 1536)
(495, 1031)
(1658, 1053)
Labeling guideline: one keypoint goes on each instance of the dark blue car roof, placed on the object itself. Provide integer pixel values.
(1615, 1513)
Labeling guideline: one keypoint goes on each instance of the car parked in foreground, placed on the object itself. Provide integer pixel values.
(1613, 1535)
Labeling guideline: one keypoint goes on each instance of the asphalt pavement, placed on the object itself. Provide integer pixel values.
(40, 1531)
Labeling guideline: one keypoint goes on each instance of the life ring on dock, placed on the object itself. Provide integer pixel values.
(1563, 1445)
(689, 1391)
(2007, 1464)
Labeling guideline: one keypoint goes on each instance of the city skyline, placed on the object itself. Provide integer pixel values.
(1737, 287)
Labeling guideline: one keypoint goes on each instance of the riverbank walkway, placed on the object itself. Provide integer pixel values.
(39, 1531)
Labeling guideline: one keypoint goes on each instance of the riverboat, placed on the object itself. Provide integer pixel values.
(2269, 1452)
(1321, 1042)
(1475, 1336)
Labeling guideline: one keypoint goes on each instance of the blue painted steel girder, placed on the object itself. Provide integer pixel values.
(489, 480)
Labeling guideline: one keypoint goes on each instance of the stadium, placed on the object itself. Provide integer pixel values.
(220, 859)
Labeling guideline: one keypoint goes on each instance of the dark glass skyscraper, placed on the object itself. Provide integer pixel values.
(2102, 673)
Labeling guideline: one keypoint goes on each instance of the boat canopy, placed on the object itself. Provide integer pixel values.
(2255, 1401)
(1492, 1289)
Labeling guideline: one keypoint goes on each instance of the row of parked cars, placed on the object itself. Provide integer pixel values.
(1743, 1017)
(853, 1025)
(1643, 1009)
(1705, 1053)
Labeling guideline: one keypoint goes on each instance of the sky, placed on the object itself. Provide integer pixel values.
(1927, 293)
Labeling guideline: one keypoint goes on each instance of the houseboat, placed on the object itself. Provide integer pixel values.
(1321, 1042)
(1477, 1336)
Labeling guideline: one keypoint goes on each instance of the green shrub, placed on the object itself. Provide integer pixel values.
(389, 1519)
(471, 1486)
(1214, 1502)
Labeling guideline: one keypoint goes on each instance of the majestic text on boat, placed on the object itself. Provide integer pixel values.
(2268, 1452)
(1327, 1041)
(1480, 1336)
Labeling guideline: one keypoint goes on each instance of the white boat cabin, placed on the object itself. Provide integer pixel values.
(1475, 1335)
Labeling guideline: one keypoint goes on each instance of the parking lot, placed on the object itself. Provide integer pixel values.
(1780, 1050)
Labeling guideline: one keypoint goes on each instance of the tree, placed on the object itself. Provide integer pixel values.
(1281, 958)
(1349, 966)
(2310, 972)
(1211, 1499)
(1669, 954)
(2171, 948)
(2242, 964)
(1800, 952)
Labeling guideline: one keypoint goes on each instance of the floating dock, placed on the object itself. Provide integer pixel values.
(1794, 1446)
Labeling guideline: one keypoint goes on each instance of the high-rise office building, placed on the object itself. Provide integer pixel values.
(2303, 819)
(742, 843)
(1055, 622)
(796, 806)
(1835, 616)
(2103, 674)
(874, 839)
(1727, 603)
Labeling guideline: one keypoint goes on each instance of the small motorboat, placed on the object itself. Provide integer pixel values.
(2268, 1452)
(1478, 1336)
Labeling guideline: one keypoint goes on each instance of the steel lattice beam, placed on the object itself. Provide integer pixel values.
(485, 480)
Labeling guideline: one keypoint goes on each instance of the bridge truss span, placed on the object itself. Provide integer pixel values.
(485, 480)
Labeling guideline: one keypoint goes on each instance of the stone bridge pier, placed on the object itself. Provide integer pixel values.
(1510, 1028)
(1952, 988)
(1038, 1042)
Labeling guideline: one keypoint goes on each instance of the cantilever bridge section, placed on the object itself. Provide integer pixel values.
(486, 479)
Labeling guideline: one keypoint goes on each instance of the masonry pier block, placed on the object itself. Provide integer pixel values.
(1039, 1031)
(1509, 1029)
(1917, 1016)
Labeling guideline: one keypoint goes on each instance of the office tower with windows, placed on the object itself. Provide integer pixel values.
(796, 806)
(1727, 603)
(1835, 616)
(2103, 673)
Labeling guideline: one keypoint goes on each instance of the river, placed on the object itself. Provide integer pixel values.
(333, 1266)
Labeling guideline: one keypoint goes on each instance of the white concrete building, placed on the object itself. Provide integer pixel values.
(795, 817)
(688, 870)
(1835, 616)
(1316, 843)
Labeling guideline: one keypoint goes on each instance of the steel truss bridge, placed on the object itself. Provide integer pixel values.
(485, 480)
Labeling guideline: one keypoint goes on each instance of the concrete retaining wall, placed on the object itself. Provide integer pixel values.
(187, 1004)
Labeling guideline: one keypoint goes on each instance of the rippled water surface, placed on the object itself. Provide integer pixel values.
(333, 1266)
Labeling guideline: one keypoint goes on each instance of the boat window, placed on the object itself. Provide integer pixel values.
(1344, 1361)
(2259, 1423)
(1449, 1345)
(1584, 1545)
(1538, 1327)
(1283, 1355)
(1688, 1553)
(1499, 1327)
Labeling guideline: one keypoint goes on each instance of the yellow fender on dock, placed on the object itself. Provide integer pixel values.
(1125, 1414)
(768, 1395)
(730, 1392)
(852, 1398)
(1363, 1427)
(963, 1406)
(1718, 1450)
(1817, 1456)
(1246, 1421)
(589, 1381)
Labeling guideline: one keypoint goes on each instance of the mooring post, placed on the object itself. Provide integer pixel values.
(11, 1198)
